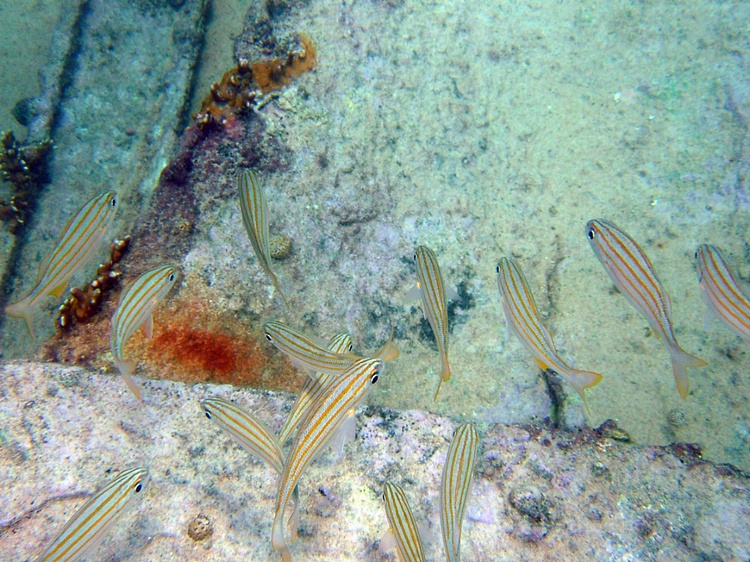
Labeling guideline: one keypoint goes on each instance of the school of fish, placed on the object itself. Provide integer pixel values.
(339, 380)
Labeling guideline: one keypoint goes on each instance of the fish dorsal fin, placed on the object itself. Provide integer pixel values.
(548, 338)
(451, 294)
(148, 326)
(667, 305)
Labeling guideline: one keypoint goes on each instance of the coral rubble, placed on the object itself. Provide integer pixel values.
(25, 168)
(82, 304)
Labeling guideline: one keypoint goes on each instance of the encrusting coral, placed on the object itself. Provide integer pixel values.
(82, 304)
(235, 93)
(25, 168)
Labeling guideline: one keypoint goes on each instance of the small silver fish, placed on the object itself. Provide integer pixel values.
(632, 273)
(255, 218)
(86, 529)
(403, 524)
(523, 319)
(722, 291)
(135, 311)
(75, 246)
(434, 304)
(326, 417)
(455, 484)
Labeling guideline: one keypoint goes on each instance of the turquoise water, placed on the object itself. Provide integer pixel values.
(478, 130)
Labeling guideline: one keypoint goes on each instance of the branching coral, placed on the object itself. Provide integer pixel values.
(25, 168)
(235, 93)
(82, 304)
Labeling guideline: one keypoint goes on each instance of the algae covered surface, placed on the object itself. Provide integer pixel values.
(480, 130)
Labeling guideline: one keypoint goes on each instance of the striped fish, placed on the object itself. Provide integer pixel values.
(434, 304)
(246, 430)
(252, 435)
(307, 355)
(255, 218)
(304, 353)
(632, 273)
(326, 417)
(313, 387)
(135, 311)
(75, 246)
(522, 317)
(86, 529)
(455, 485)
(403, 524)
(722, 291)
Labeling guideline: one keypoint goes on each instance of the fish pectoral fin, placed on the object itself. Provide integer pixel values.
(451, 294)
(148, 326)
(59, 290)
(541, 364)
(388, 542)
(344, 435)
(414, 294)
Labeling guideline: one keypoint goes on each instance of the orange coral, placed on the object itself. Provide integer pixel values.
(234, 93)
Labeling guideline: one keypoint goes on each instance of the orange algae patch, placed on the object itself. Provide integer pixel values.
(277, 73)
(197, 346)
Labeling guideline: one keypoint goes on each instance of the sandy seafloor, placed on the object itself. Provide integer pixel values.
(490, 129)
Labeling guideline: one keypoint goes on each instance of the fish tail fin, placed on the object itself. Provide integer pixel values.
(681, 361)
(127, 368)
(445, 375)
(581, 380)
(22, 309)
(277, 537)
(389, 351)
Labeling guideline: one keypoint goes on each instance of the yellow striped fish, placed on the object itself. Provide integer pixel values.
(74, 248)
(86, 529)
(632, 273)
(135, 311)
(313, 387)
(455, 485)
(326, 417)
(255, 218)
(252, 435)
(523, 319)
(403, 524)
(722, 291)
(434, 304)
(304, 353)
(246, 430)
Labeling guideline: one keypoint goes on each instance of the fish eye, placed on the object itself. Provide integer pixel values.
(696, 254)
(497, 268)
(138, 486)
(268, 337)
(350, 347)
(374, 378)
(171, 277)
(591, 234)
(114, 202)
(208, 414)
(415, 257)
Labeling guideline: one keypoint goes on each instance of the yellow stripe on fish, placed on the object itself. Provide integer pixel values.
(455, 485)
(313, 387)
(304, 352)
(74, 248)
(86, 529)
(403, 525)
(722, 291)
(326, 417)
(246, 430)
(632, 273)
(136, 311)
(434, 304)
(252, 435)
(255, 218)
(523, 319)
